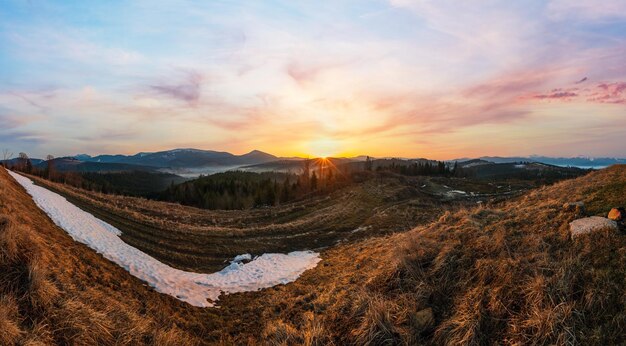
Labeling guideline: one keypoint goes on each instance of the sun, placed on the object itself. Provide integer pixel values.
(323, 147)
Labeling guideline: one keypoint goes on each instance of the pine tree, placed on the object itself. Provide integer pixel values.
(314, 181)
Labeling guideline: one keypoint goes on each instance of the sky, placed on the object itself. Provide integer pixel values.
(406, 78)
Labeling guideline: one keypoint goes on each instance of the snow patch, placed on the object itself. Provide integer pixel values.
(474, 164)
(241, 258)
(194, 288)
(458, 192)
(360, 229)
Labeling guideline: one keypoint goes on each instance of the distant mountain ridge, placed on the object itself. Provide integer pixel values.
(184, 158)
(580, 161)
(192, 161)
(72, 164)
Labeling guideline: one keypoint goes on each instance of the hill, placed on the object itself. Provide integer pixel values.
(70, 164)
(580, 161)
(497, 274)
(56, 291)
(185, 158)
(296, 165)
(500, 272)
(528, 170)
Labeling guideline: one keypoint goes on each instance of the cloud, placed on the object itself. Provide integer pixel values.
(587, 9)
(568, 95)
(21, 137)
(581, 81)
(604, 92)
(66, 44)
(111, 135)
(8, 122)
(614, 93)
(189, 90)
(256, 74)
(305, 72)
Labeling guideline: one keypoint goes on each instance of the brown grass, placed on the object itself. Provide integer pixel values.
(506, 273)
(54, 291)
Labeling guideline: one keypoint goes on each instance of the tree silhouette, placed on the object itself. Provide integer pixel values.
(49, 166)
(6, 156)
(368, 163)
(314, 181)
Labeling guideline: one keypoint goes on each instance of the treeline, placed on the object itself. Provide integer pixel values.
(243, 190)
(132, 183)
(423, 168)
(237, 189)
(129, 183)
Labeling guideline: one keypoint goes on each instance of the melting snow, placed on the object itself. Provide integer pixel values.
(362, 228)
(241, 258)
(459, 192)
(194, 288)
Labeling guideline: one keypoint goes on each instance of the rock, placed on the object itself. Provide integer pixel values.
(424, 318)
(617, 214)
(591, 224)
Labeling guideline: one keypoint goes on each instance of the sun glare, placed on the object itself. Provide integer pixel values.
(323, 148)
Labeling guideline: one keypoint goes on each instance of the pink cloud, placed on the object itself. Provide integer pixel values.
(187, 91)
(557, 95)
(609, 93)
(604, 92)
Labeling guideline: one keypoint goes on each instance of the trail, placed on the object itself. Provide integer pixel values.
(201, 290)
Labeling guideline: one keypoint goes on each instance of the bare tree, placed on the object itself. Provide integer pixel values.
(49, 168)
(49, 171)
(6, 155)
(25, 163)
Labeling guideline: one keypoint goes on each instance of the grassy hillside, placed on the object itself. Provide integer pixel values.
(55, 291)
(502, 273)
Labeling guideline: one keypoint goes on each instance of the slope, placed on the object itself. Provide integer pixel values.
(56, 291)
(503, 274)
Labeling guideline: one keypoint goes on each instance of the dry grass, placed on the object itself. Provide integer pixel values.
(506, 273)
(54, 291)
(312, 333)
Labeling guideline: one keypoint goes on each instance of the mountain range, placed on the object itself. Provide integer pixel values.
(183, 158)
(191, 162)
(580, 161)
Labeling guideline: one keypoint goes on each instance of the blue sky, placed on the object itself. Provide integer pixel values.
(438, 79)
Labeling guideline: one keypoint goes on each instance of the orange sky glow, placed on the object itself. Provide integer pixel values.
(401, 78)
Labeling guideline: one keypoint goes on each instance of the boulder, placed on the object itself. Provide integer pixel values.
(591, 224)
(617, 214)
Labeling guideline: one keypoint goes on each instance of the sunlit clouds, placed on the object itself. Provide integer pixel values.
(439, 79)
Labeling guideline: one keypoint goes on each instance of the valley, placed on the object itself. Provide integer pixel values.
(370, 237)
(204, 240)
